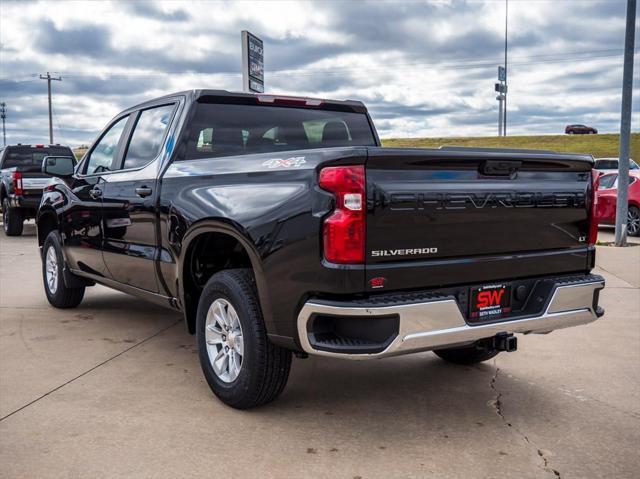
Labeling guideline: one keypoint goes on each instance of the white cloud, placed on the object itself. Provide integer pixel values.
(425, 68)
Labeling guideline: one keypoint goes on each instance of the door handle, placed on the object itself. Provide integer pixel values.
(143, 191)
(95, 193)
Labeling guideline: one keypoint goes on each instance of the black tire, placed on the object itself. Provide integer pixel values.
(265, 367)
(62, 296)
(633, 221)
(467, 355)
(12, 219)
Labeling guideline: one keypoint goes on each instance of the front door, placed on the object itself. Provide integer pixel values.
(82, 225)
(129, 198)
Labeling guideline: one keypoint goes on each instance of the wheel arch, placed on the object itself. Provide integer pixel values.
(46, 222)
(232, 236)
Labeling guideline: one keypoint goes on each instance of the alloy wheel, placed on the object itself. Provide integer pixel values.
(633, 221)
(223, 335)
(51, 268)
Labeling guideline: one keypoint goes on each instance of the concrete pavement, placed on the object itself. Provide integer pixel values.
(114, 389)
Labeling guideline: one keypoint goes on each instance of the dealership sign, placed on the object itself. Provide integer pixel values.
(252, 63)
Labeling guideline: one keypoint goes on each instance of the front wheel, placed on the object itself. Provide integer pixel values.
(475, 353)
(12, 219)
(633, 221)
(58, 293)
(242, 367)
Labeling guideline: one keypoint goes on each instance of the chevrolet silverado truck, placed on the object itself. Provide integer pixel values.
(21, 182)
(279, 226)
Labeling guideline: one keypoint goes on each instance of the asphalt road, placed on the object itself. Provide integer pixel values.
(114, 389)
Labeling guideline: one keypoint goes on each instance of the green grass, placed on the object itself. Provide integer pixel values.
(596, 145)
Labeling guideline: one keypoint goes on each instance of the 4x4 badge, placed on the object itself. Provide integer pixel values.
(293, 162)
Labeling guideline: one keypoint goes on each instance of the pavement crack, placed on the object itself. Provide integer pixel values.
(90, 370)
(497, 405)
(543, 455)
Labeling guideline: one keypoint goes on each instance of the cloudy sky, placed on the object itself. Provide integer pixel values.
(424, 68)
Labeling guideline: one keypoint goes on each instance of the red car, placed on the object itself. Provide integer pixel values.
(580, 130)
(606, 201)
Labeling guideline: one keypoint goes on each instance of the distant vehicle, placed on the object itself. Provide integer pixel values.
(580, 130)
(610, 165)
(21, 182)
(606, 201)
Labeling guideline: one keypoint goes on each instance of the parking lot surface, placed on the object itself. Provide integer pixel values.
(114, 389)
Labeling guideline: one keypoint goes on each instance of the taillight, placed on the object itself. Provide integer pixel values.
(344, 230)
(17, 183)
(593, 213)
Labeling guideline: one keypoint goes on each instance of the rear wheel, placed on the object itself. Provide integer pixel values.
(12, 219)
(472, 354)
(242, 367)
(58, 293)
(633, 221)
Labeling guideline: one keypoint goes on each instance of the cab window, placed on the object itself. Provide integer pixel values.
(607, 181)
(103, 155)
(148, 136)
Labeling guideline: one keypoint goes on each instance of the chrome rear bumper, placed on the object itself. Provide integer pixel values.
(439, 324)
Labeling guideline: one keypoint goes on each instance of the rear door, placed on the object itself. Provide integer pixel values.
(129, 198)
(438, 217)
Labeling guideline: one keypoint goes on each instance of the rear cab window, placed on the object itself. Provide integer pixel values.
(223, 129)
(29, 158)
(606, 164)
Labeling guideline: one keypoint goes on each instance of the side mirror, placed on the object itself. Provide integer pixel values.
(60, 166)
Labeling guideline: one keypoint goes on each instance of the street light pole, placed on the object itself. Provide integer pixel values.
(3, 115)
(625, 127)
(506, 30)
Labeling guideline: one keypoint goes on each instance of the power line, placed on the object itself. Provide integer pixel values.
(462, 64)
(58, 127)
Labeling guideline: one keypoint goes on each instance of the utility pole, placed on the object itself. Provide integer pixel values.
(506, 30)
(3, 115)
(625, 127)
(48, 77)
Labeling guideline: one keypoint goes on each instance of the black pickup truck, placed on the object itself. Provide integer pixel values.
(279, 226)
(21, 182)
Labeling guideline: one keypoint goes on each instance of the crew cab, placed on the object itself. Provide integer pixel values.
(21, 182)
(279, 226)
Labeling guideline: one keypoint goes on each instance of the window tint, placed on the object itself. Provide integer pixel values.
(231, 129)
(615, 183)
(607, 181)
(633, 165)
(31, 156)
(606, 164)
(103, 155)
(147, 137)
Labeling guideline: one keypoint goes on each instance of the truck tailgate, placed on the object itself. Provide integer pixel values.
(441, 217)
